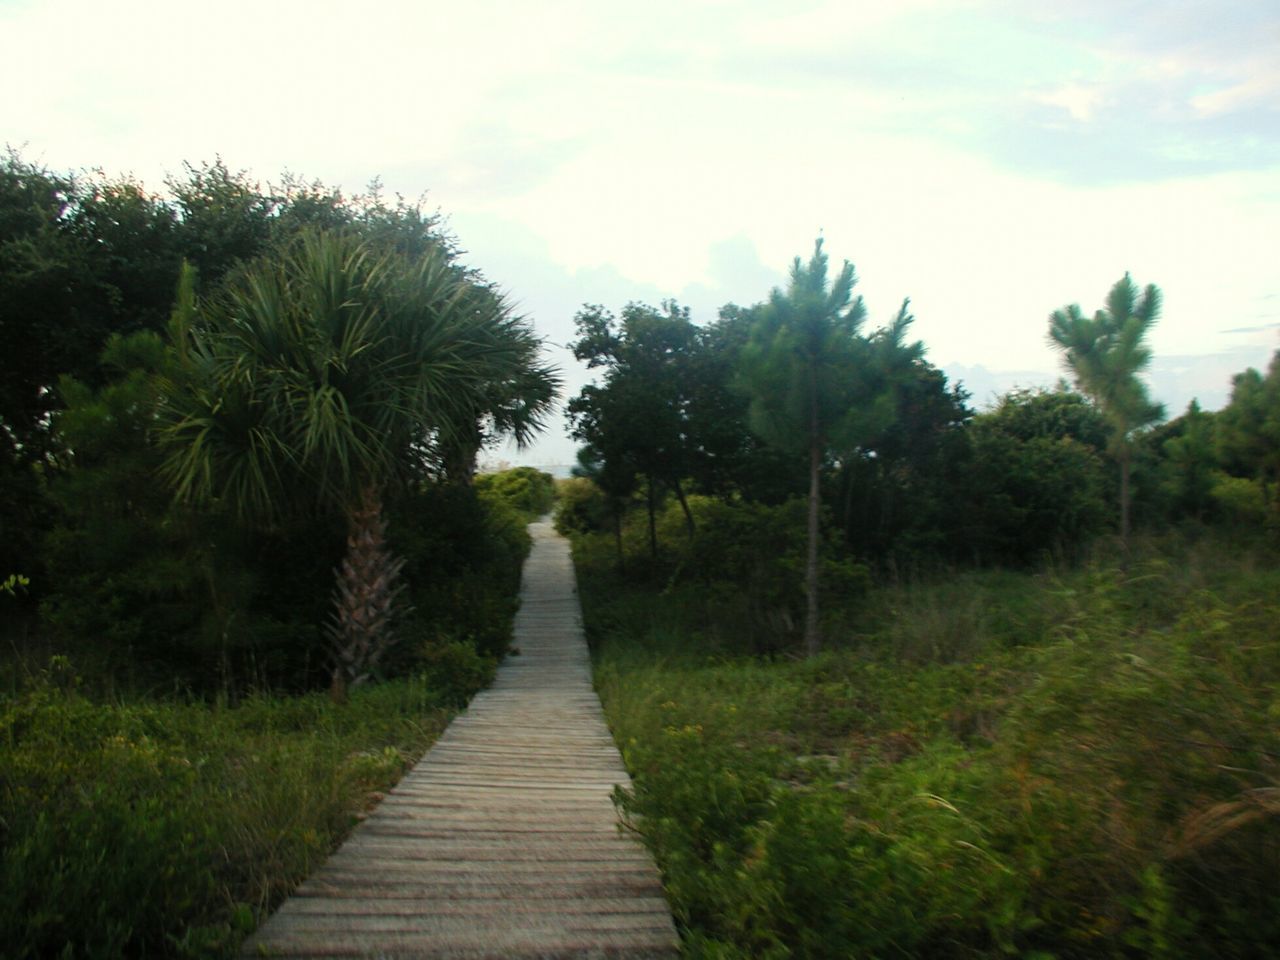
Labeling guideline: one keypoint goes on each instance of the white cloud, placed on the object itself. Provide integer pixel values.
(1080, 100)
(1260, 88)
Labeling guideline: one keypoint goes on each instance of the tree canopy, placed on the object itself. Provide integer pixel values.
(326, 375)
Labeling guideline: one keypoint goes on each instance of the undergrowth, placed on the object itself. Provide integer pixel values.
(170, 829)
(1078, 763)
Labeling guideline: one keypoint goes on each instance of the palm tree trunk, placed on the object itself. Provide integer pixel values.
(365, 596)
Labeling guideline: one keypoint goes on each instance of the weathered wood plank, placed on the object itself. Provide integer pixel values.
(503, 840)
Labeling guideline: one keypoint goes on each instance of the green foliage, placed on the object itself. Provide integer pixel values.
(1189, 459)
(743, 570)
(168, 829)
(77, 260)
(463, 554)
(1248, 432)
(144, 591)
(581, 507)
(654, 413)
(895, 495)
(1086, 768)
(147, 592)
(455, 670)
(1242, 501)
(819, 388)
(527, 489)
(312, 375)
(1034, 481)
(1105, 354)
(749, 560)
(14, 583)
(318, 379)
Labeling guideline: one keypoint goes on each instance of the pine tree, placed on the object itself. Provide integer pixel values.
(818, 385)
(1105, 353)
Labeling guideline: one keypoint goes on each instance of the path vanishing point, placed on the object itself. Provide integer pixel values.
(503, 841)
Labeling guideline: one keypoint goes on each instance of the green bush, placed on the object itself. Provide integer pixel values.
(456, 671)
(581, 507)
(1242, 501)
(527, 489)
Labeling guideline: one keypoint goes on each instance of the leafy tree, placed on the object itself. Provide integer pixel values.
(133, 248)
(320, 379)
(1058, 414)
(895, 495)
(1030, 479)
(615, 479)
(1249, 429)
(1105, 353)
(43, 280)
(638, 420)
(81, 259)
(817, 385)
(1189, 460)
(224, 217)
(729, 459)
(139, 586)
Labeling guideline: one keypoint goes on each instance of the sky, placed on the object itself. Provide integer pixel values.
(992, 160)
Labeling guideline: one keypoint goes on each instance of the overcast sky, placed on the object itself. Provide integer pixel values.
(991, 160)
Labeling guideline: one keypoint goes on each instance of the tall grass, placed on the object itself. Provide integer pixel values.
(169, 829)
(1079, 763)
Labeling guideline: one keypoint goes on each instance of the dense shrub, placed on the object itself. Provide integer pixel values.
(463, 553)
(582, 507)
(1028, 498)
(527, 489)
(742, 569)
(748, 559)
(1087, 768)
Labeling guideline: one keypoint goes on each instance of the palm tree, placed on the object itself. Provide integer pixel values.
(814, 380)
(319, 378)
(515, 405)
(1105, 353)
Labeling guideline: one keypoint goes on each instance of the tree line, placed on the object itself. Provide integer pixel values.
(212, 399)
(791, 398)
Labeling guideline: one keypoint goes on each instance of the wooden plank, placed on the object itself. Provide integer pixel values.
(502, 841)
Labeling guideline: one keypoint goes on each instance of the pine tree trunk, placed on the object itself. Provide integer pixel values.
(684, 505)
(812, 638)
(1124, 504)
(653, 527)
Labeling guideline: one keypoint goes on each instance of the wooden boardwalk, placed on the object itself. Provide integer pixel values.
(503, 840)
